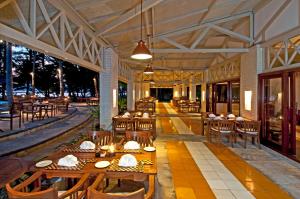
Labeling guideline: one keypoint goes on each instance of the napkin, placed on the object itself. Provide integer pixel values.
(218, 118)
(125, 116)
(211, 115)
(132, 145)
(239, 119)
(127, 113)
(231, 116)
(87, 145)
(127, 160)
(146, 115)
(68, 161)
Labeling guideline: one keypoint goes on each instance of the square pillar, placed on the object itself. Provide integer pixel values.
(108, 88)
(251, 64)
(130, 92)
(146, 90)
(176, 91)
(192, 92)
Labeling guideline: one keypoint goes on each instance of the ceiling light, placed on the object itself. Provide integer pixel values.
(141, 51)
(148, 70)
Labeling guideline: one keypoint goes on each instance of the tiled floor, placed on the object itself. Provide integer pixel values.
(202, 170)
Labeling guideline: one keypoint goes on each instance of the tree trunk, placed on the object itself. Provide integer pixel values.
(61, 79)
(9, 78)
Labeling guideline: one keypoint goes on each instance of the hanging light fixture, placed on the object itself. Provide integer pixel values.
(141, 51)
(148, 70)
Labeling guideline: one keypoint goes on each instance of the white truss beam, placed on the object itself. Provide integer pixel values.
(204, 50)
(83, 40)
(200, 38)
(128, 15)
(165, 21)
(231, 33)
(173, 43)
(183, 30)
(89, 4)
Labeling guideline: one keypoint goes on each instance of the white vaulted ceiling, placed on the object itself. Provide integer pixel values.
(185, 34)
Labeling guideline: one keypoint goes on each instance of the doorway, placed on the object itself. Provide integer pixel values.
(162, 94)
(280, 111)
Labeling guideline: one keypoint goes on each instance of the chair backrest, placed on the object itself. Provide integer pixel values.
(27, 106)
(227, 125)
(22, 190)
(142, 137)
(101, 137)
(250, 126)
(94, 194)
(144, 124)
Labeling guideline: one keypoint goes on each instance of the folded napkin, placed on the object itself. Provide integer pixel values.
(68, 161)
(218, 118)
(127, 160)
(239, 119)
(132, 145)
(231, 116)
(211, 115)
(146, 115)
(125, 116)
(127, 113)
(87, 145)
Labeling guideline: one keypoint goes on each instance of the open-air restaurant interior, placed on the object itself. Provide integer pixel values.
(155, 99)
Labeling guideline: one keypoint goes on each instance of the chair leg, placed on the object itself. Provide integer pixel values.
(258, 142)
(11, 124)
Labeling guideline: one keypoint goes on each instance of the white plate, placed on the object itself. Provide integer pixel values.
(43, 163)
(149, 149)
(105, 147)
(102, 164)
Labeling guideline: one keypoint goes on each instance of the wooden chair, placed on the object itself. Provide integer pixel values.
(10, 112)
(146, 124)
(121, 125)
(249, 129)
(219, 128)
(96, 190)
(144, 138)
(29, 108)
(101, 137)
(31, 189)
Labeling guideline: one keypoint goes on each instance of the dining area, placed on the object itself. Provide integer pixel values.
(97, 166)
(234, 128)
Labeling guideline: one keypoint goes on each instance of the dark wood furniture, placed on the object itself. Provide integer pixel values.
(101, 137)
(142, 137)
(249, 129)
(96, 191)
(31, 188)
(10, 112)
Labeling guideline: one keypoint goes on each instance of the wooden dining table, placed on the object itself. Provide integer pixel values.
(89, 160)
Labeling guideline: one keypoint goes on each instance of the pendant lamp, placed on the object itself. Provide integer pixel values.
(148, 70)
(141, 51)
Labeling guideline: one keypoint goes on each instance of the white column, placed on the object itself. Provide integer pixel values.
(130, 91)
(108, 88)
(184, 90)
(192, 94)
(203, 97)
(146, 89)
(176, 91)
(251, 64)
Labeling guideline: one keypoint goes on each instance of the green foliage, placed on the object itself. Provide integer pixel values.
(122, 104)
(95, 112)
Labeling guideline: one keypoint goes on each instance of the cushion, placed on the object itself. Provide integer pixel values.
(252, 132)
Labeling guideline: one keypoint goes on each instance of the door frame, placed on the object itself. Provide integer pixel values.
(288, 146)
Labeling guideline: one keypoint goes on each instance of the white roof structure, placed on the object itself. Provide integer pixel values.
(185, 34)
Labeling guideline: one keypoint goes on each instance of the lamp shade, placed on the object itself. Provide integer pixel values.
(148, 70)
(141, 51)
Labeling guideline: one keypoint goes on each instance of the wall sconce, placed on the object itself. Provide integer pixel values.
(114, 98)
(248, 100)
(176, 94)
(203, 96)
